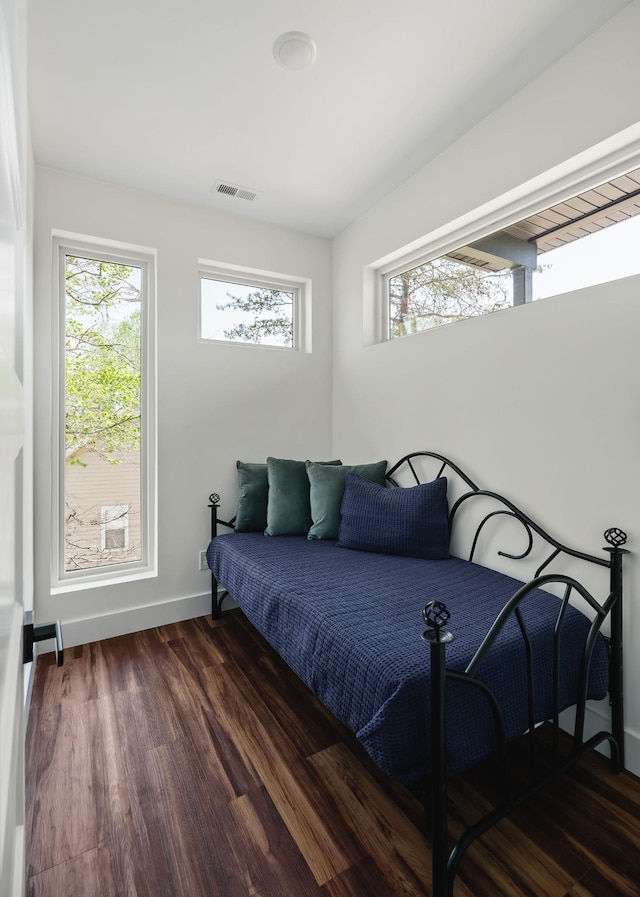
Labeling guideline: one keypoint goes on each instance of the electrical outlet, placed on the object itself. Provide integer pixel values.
(202, 561)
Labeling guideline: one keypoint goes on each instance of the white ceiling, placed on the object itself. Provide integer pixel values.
(172, 95)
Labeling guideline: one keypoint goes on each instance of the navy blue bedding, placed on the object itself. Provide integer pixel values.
(349, 624)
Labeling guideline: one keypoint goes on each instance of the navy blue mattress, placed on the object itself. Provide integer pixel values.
(349, 624)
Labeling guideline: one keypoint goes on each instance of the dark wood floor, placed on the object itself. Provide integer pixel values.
(187, 761)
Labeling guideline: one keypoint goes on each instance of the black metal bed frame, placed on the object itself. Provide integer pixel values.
(446, 857)
(217, 597)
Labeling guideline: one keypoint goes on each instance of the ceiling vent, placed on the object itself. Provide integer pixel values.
(234, 190)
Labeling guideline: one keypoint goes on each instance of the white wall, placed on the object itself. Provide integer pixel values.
(215, 403)
(538, 402)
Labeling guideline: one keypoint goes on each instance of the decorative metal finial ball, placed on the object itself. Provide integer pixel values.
(615, 536)
(214, 498)
(436, 615)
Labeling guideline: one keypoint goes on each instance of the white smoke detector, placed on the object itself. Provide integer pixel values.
(295, 51)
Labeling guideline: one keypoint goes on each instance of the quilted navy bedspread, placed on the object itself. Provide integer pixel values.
(349, 624)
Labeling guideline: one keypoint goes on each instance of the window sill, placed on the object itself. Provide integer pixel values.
(97, 580)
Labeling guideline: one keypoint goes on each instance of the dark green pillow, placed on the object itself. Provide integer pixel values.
(253, 483)
(327, 486)
(289, 504)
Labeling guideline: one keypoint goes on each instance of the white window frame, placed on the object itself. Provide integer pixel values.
(603, 162)
(145, 258)
(110, 514)
(300, 287)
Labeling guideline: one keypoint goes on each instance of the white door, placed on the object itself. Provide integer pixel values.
(12, 281)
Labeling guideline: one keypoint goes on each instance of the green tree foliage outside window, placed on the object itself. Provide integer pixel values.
(442, 291)
(103, 356)
(102, 407)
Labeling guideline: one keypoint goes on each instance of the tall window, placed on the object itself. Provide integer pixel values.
(105, 412)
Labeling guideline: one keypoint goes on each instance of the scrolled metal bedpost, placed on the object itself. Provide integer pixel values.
(214, 502)
(436, 616)
(616, 539)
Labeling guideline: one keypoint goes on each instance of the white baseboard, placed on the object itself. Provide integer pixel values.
(597, 719)
(135, 619)
(632, 751)
(122, 622)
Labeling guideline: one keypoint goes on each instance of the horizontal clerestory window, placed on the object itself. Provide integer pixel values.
(583, 240)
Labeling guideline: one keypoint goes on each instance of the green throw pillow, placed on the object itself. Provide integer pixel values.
(327, 489)
(289, 504)
(253, 484)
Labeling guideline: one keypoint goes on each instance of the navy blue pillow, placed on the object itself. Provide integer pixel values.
(412, 521)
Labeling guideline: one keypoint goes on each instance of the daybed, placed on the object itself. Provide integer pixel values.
(505, 656)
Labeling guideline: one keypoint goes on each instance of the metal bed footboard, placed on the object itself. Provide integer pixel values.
(447, 856)
(445, 859)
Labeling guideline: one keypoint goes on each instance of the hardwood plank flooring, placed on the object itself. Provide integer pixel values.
(188, 761)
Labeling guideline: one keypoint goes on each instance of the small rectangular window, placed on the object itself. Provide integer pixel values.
(254, 308)
(115, 528)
